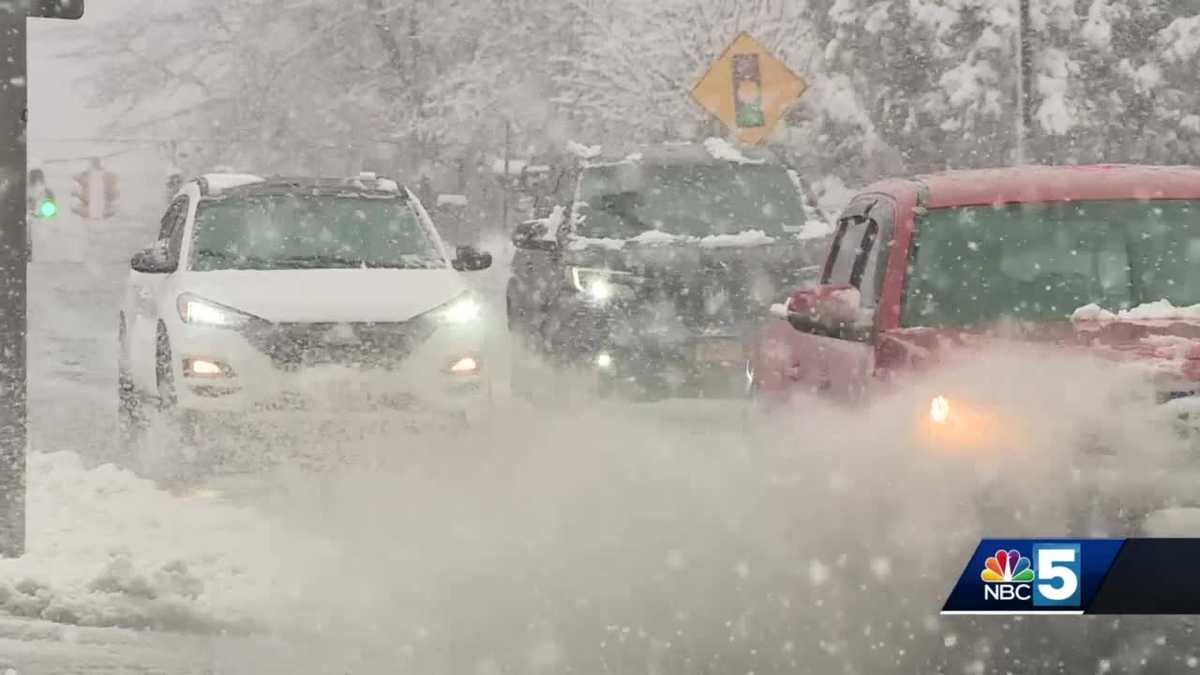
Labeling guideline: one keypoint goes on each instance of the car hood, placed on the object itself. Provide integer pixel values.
(684, 256)
(708, 288)
(1169, 347)
(327, 296)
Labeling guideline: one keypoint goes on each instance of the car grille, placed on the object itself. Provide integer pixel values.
(376, 345)
(709, 298)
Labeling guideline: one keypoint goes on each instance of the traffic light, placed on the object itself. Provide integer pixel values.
(747, 91)
(55, 9)
(111, 193)
(47, 208)
(97, 201)
(80, 192)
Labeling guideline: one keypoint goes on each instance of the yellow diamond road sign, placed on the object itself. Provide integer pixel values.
(748, 89)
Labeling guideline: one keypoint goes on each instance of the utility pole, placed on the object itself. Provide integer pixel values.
(504, 182)
(1024, 116)
(13, 119)
(12, 282)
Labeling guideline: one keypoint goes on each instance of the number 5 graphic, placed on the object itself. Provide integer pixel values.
(1058, 569)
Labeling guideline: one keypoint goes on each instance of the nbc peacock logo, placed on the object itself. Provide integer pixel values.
(1008, 576)
(1007, 566)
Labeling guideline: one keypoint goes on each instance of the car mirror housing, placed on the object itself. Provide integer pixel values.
(152, 260)
(534, 235)
(830, 310)
(467, 259)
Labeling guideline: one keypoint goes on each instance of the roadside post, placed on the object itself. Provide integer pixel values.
(13, 120)
(748, 89)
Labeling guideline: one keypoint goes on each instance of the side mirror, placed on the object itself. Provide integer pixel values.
(153, 260)
(534, 235)
(467, 259)
(830, 310)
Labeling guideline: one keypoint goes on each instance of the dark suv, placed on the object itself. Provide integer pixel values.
(662, 261)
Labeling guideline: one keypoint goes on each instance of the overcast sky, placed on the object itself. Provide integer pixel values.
(57, 107)
(59, 111)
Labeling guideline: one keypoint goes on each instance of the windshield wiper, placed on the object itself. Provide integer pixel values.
(337, 262)
(241, 261)
(318, 261)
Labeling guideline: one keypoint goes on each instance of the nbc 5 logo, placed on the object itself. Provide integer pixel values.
(1058, 575)
(1050, 579)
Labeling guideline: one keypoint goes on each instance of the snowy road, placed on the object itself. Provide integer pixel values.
(604, 538)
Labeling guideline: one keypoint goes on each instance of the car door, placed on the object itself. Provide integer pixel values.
(841, 368)
(146, 291)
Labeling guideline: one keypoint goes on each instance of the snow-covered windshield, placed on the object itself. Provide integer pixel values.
(624, 200)
(1042, 261)
(289, 231)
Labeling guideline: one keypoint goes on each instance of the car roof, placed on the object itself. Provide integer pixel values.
(222, 185)
(1031, 184)
(682, 153)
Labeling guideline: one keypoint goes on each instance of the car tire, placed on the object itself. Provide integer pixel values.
(132, 420)
(164, 372)
(142, 435)
(154, 433)
(509, 317)
(522, 366)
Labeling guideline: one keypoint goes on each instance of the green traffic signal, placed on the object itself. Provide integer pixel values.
(48, 209)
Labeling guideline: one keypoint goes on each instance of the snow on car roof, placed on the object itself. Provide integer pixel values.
(1053, 183)
(711, 152)
(229, 183)
(219, 182)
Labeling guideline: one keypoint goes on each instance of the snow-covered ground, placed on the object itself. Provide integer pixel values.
(668, 538)
(657, 537)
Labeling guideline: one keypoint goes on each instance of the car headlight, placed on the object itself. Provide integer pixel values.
(464, 309)
(602, 285)
(939, 410)
(196, 310)
(982, 428)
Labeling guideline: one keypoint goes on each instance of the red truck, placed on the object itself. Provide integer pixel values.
(1095, 260)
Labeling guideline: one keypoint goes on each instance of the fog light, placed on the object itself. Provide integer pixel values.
(604, 360)
(465, 366)
(600, 290)
(939, 410)
(205, 368)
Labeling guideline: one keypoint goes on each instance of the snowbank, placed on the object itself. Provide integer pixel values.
(722, 149)
(741, 239)
(107, 548)
(1092, 312)
(581, 243)
(1150, 311)
(584, 152)
(811, 230)
(814, 229)
(1161, 309)
(658, 237)
(219, 182)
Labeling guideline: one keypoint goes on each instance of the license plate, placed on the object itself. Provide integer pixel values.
(719, 351)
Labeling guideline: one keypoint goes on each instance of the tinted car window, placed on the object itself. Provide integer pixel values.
(624, 200)
(1043, 261)
(849, 248)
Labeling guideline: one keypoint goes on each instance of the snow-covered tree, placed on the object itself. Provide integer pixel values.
(895, 85)
(636, 62)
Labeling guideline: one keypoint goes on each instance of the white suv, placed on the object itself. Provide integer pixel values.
(266, 293)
